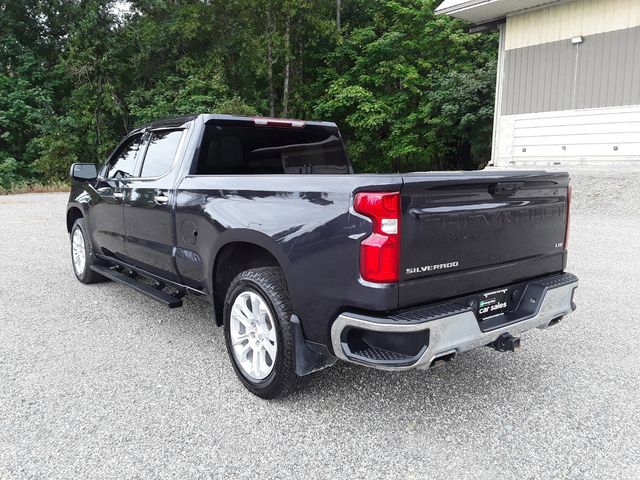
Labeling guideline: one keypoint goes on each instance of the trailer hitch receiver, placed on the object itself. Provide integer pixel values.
(506, 343)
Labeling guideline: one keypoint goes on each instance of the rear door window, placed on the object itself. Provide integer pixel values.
(161, 151)
(237, 150)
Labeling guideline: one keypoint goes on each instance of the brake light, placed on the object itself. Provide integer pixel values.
(278, 122)
(380, 251)
(566, 232)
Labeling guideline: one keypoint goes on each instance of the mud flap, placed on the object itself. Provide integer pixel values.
(310, 357)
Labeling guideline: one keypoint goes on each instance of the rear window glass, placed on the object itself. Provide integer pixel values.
(237, 150)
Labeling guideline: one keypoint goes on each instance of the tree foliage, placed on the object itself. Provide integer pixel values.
(409, 89)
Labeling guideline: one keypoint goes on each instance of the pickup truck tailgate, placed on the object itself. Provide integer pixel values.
(468, 232)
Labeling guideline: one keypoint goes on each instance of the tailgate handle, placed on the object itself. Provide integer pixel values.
(505, 188)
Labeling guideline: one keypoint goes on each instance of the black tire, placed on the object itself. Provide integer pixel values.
(269, 283)
(86, 275)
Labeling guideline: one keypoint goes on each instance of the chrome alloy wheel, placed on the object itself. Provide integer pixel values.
(78, 251)
(253, 335)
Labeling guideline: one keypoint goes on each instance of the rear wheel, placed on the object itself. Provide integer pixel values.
(258, 333)
(82, 256)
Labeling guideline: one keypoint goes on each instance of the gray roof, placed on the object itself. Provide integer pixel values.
(480, 11)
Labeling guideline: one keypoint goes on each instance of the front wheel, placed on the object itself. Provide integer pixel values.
(258, 334)
(82, 255)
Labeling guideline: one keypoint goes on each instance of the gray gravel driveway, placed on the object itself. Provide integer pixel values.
(100, 382)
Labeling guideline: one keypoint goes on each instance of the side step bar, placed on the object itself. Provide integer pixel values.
(162, 297)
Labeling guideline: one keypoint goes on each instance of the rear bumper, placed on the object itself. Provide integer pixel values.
(419, 337)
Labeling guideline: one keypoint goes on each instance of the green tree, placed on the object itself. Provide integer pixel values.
(410, 89)
(27, 86)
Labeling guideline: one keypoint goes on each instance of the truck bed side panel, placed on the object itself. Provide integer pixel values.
(305, 221)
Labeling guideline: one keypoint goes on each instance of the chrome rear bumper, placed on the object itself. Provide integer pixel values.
(450, 328)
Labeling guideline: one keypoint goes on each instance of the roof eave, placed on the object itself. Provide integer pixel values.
(483, 11)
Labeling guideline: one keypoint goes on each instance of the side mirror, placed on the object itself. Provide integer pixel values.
(83, 171)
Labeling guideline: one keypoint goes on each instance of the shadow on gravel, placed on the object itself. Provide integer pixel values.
(477, 377)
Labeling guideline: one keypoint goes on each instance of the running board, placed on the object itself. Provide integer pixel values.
(162, 297)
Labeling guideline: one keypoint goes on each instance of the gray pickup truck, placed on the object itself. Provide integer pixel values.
(305, 262)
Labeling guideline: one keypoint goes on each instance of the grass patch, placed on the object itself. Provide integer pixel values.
(35, 187)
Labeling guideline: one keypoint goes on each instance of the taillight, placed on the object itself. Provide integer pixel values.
(380, 251)
(566, 231)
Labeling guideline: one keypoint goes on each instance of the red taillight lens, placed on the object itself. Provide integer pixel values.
(380, 251)
(566, 232)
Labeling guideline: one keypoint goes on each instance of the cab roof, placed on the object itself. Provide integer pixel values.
(176, 122)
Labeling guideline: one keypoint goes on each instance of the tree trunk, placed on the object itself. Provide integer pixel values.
(98, 109)
(338, 8)
(287, 68)
(272, 94)
(299, 79)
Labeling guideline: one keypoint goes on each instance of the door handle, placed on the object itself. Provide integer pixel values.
(118, 195)
(161, 199)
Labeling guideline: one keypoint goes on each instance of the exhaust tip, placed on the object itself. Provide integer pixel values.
(555, 321)
(442, 359)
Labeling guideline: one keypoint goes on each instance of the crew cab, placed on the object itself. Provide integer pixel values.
(306, 262)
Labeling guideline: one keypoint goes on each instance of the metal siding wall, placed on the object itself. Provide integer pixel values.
(566, 20)
(635, 63)
(607, 70)
(603, 136)
(543, 78)
(538, 79)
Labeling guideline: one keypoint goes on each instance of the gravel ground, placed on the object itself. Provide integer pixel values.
(100, 382)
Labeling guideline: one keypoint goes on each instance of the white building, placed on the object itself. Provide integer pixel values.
(568, 83)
